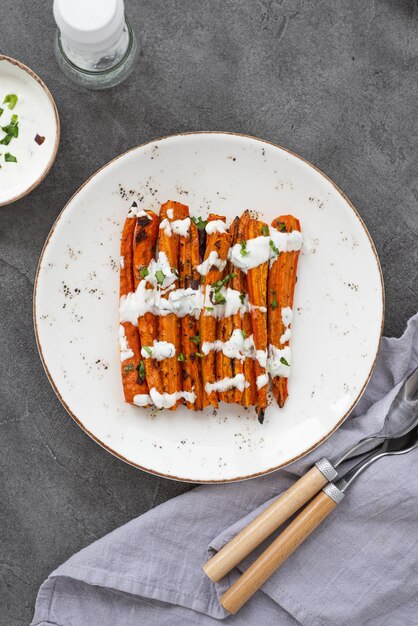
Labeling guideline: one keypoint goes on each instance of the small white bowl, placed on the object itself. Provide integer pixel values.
(38, 116)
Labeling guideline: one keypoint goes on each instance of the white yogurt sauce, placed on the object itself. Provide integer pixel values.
(178, 227)
(170, 213)
(259, 250)
(122, 262)
(262, 380)
(142, 399)
(213, 260)
(274, 364)
(165, 225)
(125, 350)
(159, 350)
(287, 315)
(161, 265)
(237, 382)
(215, 226)
(135, 211)
(236, 347)
(167, 400)
(36, 116)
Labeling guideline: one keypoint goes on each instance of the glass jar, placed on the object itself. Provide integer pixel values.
(95, 45)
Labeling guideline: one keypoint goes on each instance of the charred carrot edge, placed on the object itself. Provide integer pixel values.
(169, 325)
(145, 241)
(220, 243)
(189, 277)
(257, 290)
(133, 383)
(281, 289)
(247, 397)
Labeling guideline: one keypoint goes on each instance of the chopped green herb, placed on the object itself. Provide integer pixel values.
(14, 119)
(195, 339)
(1, 111)
(181, 357)
(128, 368)
(219, 298)
(265, 230)
(147, 349)
(217, 286)
(159, 275)
(242, 297)
(141, 369)
(199, 223)
(274, 248)
(244, 251)
(199, 354)
(209, 308)
(9, 158)
(144, 271)
(274, 301)
(10, 100)
(284, 362)
(6, 140)
(244, 334)
(282, 226)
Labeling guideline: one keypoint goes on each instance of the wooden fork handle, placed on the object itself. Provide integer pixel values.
(269, 520)
(281, 548)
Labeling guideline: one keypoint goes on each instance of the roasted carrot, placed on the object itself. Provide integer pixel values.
(133, 380)
(281, 288)
(189, 259)
(239, 282)
(257, 291)
(169, 325)
(145, 241)
(217, 246)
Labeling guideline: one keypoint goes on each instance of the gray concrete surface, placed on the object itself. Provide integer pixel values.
(334, 80)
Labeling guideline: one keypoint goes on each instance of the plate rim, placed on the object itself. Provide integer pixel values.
(42, 176)
(171, 476)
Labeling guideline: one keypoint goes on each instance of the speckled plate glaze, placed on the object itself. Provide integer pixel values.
(336, 328)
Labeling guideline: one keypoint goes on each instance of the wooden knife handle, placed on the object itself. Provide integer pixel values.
(277, 553)
(267, 522)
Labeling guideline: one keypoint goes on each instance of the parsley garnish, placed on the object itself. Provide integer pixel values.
(159, 275)
(217, 286)
(141, 369)
(9, 158)
(199, 223)
(209, 308)
(265, 230)
(195, 339)
(274, 248)
(244, 334)
(144, 271)
(274, 301)
(147, 349)
(181, 357)
(1, 111)
(244, 251)
(219, 298)
(242, 297)
(128, 368)
(199, 354)
(284, 362)
(10, 100)
(282, 226)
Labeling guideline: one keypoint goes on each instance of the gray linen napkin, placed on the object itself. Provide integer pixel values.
(359, 568)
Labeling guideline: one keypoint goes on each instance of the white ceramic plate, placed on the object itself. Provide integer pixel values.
(37, 115)
(338, 306)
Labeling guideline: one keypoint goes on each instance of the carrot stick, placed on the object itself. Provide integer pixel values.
(189, 259)
(145, 241)
(133, 380)
(217, 245)
(239, 282)
(168, 325)
(281, 288)
(257, 290)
